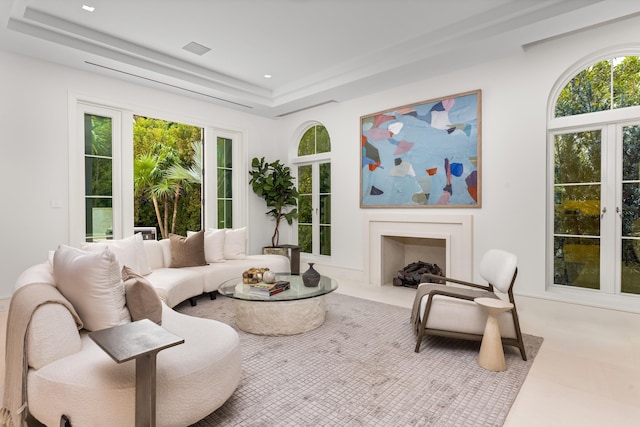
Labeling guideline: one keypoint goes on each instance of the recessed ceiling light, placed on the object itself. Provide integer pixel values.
(88, 8)
(267, 76)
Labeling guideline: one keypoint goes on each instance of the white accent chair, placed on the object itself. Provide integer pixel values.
(449, 310)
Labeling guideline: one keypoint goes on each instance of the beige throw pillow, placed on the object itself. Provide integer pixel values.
(142, 300)
(213, 244)
(92, 282)
(187, 251)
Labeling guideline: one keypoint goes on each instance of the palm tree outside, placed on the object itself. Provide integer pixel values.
(167, 175)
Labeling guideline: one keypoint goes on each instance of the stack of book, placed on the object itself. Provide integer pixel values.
(268, 289)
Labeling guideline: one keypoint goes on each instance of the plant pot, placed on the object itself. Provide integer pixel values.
(275, 250)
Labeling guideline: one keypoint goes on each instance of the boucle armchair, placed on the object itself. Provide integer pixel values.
(445, 310)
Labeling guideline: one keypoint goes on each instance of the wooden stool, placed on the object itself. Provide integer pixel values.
(491, 355)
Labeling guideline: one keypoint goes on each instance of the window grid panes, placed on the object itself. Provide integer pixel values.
(315, 140)
(305, 208)
(591, 89)
(325, 208)
(577, 209)
(225, 182)
(98, 172)
(630, 214)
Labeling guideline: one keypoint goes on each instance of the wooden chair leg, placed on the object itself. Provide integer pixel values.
(419, 340)
(423, 322)
(516, 325)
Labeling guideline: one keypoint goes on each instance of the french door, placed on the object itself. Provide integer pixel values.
(596, 199)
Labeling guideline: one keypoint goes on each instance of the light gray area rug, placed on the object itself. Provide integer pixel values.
(359, 369)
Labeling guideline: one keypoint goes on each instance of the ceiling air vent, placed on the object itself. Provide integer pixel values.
(196, 48)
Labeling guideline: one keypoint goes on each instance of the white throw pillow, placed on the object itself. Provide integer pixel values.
(92, 282)
(213, 244)
(235, 243)
(143, 262)
(128, 251)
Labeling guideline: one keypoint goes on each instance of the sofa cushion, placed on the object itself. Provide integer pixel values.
(154, 252)
(175, 285)
(235, 243)
(92, 282)
(128, 251)
(142, 300)
(187, 251)
(213, 244)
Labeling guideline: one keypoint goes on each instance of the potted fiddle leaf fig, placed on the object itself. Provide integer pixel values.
(274, 183)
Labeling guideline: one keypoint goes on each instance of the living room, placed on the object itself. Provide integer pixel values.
(586, 375)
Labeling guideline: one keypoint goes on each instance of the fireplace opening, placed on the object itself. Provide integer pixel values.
(401, 252)
(415, 273)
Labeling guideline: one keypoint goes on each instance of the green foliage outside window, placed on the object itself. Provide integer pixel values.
(590, 90)
(167, 175)
(225, 182)
(98, 163)
(315, 140)
(605, 85)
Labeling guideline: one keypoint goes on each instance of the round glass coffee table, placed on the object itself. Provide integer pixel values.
(298, 309)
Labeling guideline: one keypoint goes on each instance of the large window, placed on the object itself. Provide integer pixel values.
(128, 170)
(595, 162)
(314, 188)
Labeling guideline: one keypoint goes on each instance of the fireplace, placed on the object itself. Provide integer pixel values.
(398, 252)
(394, 239)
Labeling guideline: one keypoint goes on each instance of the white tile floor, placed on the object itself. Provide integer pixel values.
(587, 372)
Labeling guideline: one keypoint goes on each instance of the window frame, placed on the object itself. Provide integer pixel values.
(123, 200)
(77, 193)
(610, 122)
(314, 160)
(240, 170)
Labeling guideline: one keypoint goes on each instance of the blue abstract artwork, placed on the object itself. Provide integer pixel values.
(423, 155)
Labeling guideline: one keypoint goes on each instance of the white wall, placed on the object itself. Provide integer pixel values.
(515, 92)
(34, 152)
(515, 95)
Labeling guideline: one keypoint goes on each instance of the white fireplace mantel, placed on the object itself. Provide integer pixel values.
(457, 230)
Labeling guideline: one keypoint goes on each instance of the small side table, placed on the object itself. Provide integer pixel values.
(140, 340)
(294, 257)
(491, 355)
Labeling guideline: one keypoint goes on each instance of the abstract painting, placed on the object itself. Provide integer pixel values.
(423, 155)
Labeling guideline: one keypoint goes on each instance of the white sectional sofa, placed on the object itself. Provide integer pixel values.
(68, 374)
(175, 285)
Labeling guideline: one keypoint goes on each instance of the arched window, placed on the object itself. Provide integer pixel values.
(594, 168)
(314, 187)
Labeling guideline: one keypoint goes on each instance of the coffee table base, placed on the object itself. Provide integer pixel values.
(280, 317)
